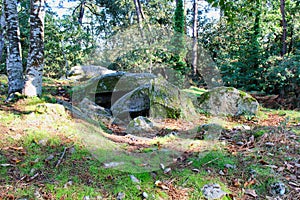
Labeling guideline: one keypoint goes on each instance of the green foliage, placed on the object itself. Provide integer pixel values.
(178, 40)
(66, 44)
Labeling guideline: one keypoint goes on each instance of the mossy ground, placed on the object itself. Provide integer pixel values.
(52, 156)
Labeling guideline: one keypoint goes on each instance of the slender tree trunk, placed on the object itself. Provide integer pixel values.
(14, 60)
(2, 28)
(141, 10)
(284, 28)
(144, 16)
(81, 12)
(139, 17)
(35, 62)
(291, 44)
(195, 37)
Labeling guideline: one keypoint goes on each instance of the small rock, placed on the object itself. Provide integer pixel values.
(229, 166)
(86, 198)
(196, 170)
(221, 173)
(167, 170)
(278, 188)
(240, 143)
(134, 179)
(43, 142)
(269, 144)
(69, 183)
(112, 164)
(49, 158)
(32, 171)
(251, 193)
(145, 195)
(72, 150)
(247, 128)
(121, 195)
(212, 191)
(162, 166)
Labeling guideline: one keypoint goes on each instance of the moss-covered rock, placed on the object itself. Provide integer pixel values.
(140, 125)
(160, 98)
(227, 101)
(106, 89)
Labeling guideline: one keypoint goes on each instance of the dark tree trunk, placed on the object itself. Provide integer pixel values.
(139, 17)
(195, 37)
(81, 12)
(284, 28)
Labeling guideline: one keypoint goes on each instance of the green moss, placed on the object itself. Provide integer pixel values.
(205, 96)
(259, 133)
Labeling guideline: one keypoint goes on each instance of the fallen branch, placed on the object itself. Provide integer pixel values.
(61, 157)
(210, 162)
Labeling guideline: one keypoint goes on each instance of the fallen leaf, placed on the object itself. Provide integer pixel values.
(250, 183)
(159, 184)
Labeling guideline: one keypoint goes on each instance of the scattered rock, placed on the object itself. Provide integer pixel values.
(112, 164)
(251, 193)
(221, 173)
(212, 191)
(210, 131)
(242, 127)
(93, 111)
(240, 143)
(83, 72)
(167, 170)
(134, 179)
(50, 157)
(69, 183)
(278, 188)
(229, 166)
(269, 144)
(43, 142)
(145, 195)
(121, 195)
(228, 101)
(139, 125)
(51, 109)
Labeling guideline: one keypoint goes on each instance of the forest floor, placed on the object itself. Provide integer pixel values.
(46, 153)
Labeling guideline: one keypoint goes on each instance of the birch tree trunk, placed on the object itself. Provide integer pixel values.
(14, 60)
(35, 62)
(2, 28)
(195, 37)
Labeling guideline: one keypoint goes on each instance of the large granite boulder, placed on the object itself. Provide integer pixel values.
(227, 101)
(94, 111)
(157, 99)
(83, 72)
(104, 90)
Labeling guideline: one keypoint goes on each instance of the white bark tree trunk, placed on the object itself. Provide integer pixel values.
(2, 28)
(14, 60)
(35, 62)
